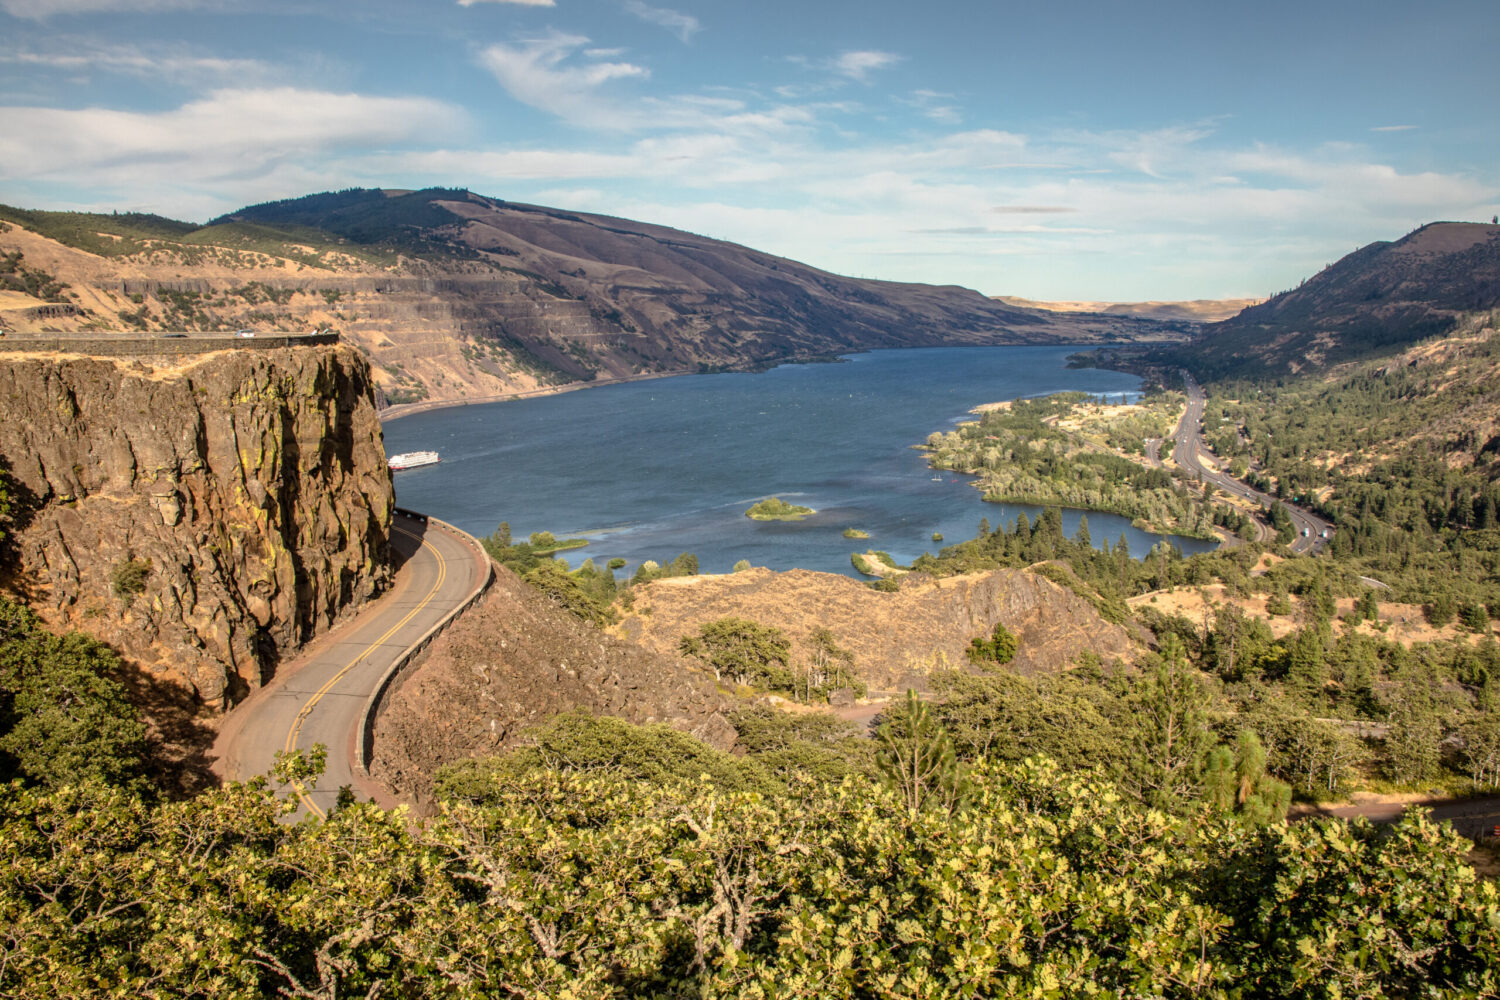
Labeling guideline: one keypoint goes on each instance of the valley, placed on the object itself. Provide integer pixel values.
(454, 296)
(1093, 727)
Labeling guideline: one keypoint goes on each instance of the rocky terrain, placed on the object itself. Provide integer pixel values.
(516, 659)
(897, 638)
(204, 516)
(1373, 301)
(456, 296)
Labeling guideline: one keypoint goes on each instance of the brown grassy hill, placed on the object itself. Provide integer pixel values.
(1373, 301)
(454, 295)
(516, 659)
(896, 638)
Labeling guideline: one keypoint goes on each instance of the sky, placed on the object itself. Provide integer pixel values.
(1072, 149)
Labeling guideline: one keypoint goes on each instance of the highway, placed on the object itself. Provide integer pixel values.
(321, 696)
(1188, 452)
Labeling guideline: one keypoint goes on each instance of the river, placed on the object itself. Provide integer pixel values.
(647, 470)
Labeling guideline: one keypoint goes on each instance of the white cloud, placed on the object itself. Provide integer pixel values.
(1392, 128)
(534, 73)
(859, 65)
(228, 134)
(522, 3)
(684, 26)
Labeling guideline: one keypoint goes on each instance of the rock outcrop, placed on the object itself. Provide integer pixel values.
(896, 638)
(516, 659)
(205, 516)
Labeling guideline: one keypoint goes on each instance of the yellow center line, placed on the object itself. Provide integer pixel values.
(306, 709)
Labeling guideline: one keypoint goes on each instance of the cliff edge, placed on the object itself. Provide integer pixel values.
(206, 516)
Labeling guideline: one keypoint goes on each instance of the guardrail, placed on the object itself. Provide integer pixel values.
(365, 738)
(153, 345)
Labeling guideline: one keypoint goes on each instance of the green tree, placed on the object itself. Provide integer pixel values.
(916, 756)
(998, 650)
(1170, 737)
(1480, 742)
(742, 651)
(64, 715)
(1474, 617)
(1235, 781)
(1440, 610)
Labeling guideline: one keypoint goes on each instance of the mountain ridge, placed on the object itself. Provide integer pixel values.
(1378, 299)
(454, 295)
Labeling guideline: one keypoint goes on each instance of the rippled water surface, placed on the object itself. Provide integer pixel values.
(650, 469)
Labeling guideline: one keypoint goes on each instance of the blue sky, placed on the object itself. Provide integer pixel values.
(1073, 149)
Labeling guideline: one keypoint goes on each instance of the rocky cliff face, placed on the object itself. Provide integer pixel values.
(206, 516)
(514, 660)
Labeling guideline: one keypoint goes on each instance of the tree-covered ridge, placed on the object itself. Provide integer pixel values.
(1068, 449)
(1304, 694)
(1372, 302)
(317, 231)
(1403, 454)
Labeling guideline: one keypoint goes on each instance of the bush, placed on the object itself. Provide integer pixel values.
(998, 650)
(128, 577)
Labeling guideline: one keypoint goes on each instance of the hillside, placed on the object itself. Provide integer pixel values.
(1373, 301)
(453, 295)
(1191, 311)
(896, 638)
(515, 660)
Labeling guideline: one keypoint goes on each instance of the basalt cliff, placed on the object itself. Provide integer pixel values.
(206, 516)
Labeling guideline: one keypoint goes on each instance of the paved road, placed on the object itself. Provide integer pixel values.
(1188, 453)
(321, 697)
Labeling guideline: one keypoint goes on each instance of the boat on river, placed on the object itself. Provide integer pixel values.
(413, 460)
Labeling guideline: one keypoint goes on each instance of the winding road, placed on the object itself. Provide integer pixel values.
(1188, 452)
(322, 696)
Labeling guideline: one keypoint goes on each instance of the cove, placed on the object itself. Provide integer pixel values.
(647, 470)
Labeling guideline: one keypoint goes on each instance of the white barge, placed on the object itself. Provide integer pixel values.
(413, 460)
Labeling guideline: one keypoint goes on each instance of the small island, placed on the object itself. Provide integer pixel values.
(777, 509)
(855, 533)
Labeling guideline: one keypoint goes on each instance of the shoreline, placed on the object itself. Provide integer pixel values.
(399, 410)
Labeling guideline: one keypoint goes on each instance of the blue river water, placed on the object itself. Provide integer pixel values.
(647, 470)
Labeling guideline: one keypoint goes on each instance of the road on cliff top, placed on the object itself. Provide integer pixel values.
(1188, 453)
(321, 696)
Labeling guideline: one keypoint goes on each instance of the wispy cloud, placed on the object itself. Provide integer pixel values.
(519, 3)
(860, 64)
(1032, 209)
(939, 107)
(1392, 128)
(684, 26)
(537, 72)
(176, 64)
